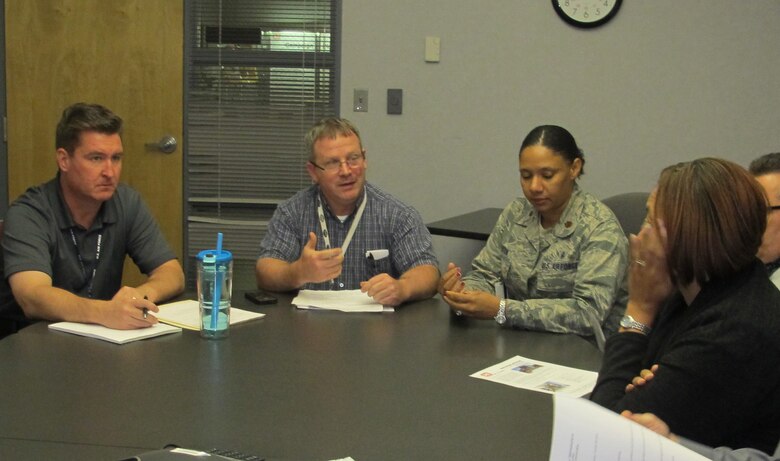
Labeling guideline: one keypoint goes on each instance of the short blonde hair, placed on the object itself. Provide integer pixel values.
(330, 127)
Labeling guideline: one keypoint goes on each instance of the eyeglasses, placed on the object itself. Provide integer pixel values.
(774, 207)
(334, 165)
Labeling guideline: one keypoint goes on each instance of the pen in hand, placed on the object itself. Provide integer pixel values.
(145, 310)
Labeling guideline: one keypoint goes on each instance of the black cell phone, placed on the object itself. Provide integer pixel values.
(260, 297)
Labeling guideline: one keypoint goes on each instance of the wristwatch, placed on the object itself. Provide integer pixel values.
(501, 316)
(628, 322)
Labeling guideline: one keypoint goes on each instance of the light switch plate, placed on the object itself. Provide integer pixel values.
(432, 49)
(360, 101)
(395, 100)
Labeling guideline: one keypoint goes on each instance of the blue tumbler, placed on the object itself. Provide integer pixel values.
(215, 287)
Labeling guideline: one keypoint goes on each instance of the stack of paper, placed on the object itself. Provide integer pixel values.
(173, 317)
(114, 336)
(184, 314)
(340, 300)
(584, 430)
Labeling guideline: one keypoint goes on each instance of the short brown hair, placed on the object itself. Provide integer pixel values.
(330, 128)
(81, 117)
(715, 215)
(766, 164)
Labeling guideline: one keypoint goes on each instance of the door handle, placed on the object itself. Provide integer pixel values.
(167, 144)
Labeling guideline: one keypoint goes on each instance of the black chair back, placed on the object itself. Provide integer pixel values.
(630, 209)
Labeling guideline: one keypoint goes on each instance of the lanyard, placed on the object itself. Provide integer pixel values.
(355, 222)
(81, 260)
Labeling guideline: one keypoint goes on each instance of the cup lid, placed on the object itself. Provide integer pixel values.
(215, 256)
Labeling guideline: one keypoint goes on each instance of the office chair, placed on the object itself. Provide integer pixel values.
(630, 209)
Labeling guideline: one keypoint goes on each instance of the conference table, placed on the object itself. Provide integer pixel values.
(476, 225)
(294, 385)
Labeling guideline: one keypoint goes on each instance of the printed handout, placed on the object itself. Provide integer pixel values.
(540, 376)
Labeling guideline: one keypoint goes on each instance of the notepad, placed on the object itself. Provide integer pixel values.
(184, 314)
(115, 336)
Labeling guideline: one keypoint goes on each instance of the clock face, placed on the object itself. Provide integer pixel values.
(586, 13)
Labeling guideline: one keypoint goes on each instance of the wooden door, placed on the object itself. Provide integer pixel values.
(124, 54)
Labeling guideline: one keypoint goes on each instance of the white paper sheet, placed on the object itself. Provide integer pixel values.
(583, 430)
(340, 300)
(111, 335)
(184, 314)
(540, 376)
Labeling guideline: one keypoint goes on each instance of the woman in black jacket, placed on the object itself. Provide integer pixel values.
(702, 307)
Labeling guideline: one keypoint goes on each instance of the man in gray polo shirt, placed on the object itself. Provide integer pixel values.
(65, 241)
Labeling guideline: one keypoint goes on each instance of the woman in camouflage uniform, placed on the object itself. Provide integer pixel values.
(559, 253)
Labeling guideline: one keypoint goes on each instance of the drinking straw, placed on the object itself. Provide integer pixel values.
(217, 285)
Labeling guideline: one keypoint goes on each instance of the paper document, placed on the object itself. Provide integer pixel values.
(583, 430)
(540, 376)
(184, 314)
(339, 300)
(109, 334)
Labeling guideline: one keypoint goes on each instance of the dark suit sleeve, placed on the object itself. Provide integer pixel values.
(623, 355)
(706, 387)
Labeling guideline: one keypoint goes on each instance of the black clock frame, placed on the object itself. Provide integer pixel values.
(586, 25)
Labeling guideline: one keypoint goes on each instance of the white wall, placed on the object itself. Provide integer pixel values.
(665, 81)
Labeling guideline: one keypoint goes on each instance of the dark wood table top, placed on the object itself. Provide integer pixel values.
(296, 384)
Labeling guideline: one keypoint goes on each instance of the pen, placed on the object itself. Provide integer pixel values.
(145, 310)
(372, 256)
(371, 264)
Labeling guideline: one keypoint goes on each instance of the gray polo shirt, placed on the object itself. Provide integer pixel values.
(39, 236)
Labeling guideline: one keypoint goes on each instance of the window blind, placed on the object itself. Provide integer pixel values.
(258, 74)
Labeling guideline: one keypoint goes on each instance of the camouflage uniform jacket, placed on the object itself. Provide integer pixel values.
(564, 279)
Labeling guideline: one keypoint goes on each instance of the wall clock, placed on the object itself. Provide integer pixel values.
(586, 13)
